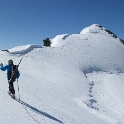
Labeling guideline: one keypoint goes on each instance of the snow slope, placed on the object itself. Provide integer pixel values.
(79, 80)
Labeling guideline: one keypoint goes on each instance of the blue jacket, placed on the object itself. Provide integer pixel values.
(8, 68)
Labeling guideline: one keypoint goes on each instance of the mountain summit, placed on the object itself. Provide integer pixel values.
(96, 28)
(93, 29)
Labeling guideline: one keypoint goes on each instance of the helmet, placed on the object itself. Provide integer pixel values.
(10, 61)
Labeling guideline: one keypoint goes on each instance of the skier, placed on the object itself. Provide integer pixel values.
(12, 75)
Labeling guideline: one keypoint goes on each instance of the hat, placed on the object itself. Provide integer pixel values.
(10, 61)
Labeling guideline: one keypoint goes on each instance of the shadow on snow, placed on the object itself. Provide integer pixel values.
(38, 111)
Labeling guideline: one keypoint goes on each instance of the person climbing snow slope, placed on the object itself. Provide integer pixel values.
(12, 75)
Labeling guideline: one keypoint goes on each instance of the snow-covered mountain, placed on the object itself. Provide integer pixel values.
(79, 80)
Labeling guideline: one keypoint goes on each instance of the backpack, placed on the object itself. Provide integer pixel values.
(13, 73)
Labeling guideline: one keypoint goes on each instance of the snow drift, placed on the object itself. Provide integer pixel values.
(23, 49)
(58, 39)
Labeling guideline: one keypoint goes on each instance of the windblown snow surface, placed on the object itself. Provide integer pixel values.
(79, 80)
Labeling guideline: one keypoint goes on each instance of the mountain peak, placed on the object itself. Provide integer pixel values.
(96, 28)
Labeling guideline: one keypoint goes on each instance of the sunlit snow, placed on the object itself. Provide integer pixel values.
(79, 80)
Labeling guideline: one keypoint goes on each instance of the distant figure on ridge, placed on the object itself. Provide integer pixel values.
(12, 75)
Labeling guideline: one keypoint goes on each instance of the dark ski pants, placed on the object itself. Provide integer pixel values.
(11, 87)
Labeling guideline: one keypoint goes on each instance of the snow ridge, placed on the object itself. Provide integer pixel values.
(23, 49)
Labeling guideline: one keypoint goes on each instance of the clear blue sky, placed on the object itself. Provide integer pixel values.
(25, 22)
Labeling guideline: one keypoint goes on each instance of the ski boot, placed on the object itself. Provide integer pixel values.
(13, 96)
(9, 92)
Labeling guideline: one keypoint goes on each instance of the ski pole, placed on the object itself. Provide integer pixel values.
(18, 90)
(17, 79)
